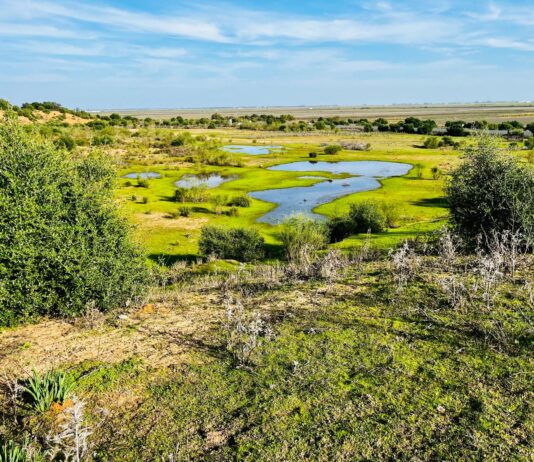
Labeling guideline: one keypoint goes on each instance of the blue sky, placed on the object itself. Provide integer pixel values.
(164, 54)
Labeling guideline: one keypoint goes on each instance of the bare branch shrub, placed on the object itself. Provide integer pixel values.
(405, 264)
(72, 439)
(245, 332)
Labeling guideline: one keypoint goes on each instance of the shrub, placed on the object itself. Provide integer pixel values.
(142, 182)
(418, 170)
(43, 391)
(65, 142)
(62, 242)
(436, 172)
(184, 211)
(218, 201)
(367, 216)
(332, 149)
(339, 228)
(302, 237)
(239, 201)
(491, 192)
(391, 213)
(363, 217)
(232, 212)
(529, 143)
(448, 141)
(312, 155)
(432, 142)
(242, 244)
(102, 140)
(192, 194)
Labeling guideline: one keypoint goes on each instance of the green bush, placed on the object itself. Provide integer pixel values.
(332, 149)
(529, 143)
(367, 216)
(491, 192)
(184, 211)
(232, 212)
(363, 217)
(339, 228)
(192, 194)
(432, 142)
(239, 201)
(62, 242)
(302, 237)
(242, 244)
(65, 142)
(102, 140)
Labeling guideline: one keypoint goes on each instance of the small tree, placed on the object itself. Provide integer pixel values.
(62, 243)
(492, 192)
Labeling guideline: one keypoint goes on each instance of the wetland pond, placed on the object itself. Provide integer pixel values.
(142, 175)
(209, 180)
(251, 150)
(362, 176)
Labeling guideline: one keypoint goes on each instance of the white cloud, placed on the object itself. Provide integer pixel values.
(120, 18)
(34, 30)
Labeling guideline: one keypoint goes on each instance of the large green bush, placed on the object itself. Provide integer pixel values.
(242, 244)
(367, 216)
(62, 244)
(492, 192)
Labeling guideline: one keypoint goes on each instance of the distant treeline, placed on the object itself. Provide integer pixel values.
(283, 122)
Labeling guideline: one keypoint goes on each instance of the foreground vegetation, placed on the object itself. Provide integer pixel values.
(412, 357)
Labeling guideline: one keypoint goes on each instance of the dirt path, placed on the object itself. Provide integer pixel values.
(158, 333)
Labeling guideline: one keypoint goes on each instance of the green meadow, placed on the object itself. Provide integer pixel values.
(418, 196)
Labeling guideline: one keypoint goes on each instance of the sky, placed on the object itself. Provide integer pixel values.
(118, 54)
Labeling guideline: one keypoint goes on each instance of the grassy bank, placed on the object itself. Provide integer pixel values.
(354, 367)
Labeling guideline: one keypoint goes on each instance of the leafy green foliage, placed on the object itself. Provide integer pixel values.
(65, 142)
(242, 244)
(302, 237)
(62, 243)
(431, 142)
(367, 216)
(44, 390)
(12, 452)
(333, 149)
(491, 192)
(239, 201)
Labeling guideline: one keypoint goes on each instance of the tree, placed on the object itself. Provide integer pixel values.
(455, 128)
(491, 192)
(63, 245)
